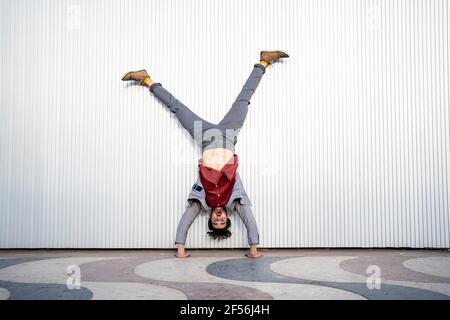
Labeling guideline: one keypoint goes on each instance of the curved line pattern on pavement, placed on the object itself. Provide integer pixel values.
(232, 269)
(149, 276)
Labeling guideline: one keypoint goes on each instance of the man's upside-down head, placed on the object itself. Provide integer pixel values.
(219, 223)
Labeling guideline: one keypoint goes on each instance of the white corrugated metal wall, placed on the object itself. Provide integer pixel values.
(346, 143)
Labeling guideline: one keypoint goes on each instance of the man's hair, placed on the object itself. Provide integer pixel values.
(219, 234)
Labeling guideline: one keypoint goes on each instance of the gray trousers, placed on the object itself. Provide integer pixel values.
(235, 117)
(245, 212)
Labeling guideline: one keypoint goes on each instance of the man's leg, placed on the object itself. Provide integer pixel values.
(186, 117)
(235, 117)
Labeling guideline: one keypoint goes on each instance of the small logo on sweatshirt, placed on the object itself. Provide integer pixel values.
(197, 187)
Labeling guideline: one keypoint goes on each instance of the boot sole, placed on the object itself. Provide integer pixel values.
(277, 51)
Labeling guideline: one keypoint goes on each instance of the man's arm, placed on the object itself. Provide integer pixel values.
(247, 217)
(183, 226)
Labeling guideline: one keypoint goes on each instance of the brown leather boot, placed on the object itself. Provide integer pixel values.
(271, 56)
(135, 75)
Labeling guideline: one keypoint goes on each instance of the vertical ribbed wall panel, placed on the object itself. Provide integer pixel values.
(346, 143)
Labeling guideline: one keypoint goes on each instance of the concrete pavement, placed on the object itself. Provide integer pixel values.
(225, 274)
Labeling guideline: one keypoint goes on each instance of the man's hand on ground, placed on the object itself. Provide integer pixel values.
(253, 252)
(181, 253)
(253, 255)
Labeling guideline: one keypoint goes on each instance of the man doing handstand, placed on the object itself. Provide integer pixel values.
(219, 188)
